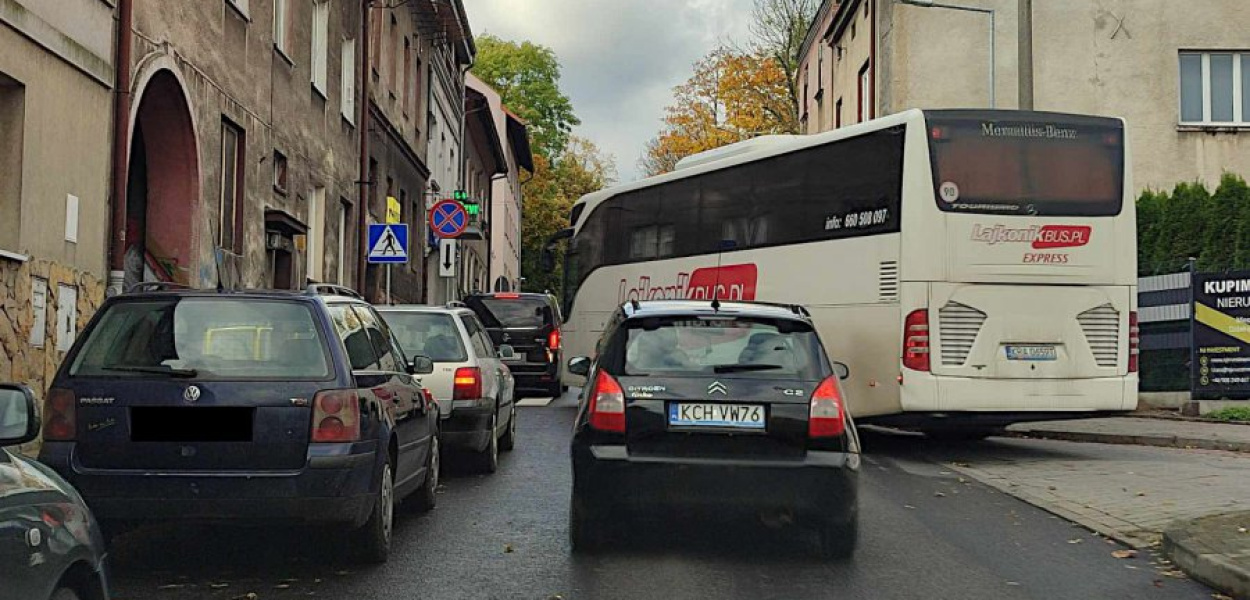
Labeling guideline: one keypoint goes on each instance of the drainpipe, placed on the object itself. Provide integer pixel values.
(362, 120)
(1025, 68)
(121, 147)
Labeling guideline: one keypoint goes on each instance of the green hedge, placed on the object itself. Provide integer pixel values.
(1192, 221)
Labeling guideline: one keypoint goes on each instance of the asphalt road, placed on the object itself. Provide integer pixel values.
(925, 533)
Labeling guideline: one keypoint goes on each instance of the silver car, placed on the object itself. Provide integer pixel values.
(473, 388)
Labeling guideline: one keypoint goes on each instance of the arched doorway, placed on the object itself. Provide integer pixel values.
(163, 186)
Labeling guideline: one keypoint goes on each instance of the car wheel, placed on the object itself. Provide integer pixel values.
(838, 542)
(585, 533)
(373, 539)
(555, 390)
(488, 458)
(426, 497)
(508, 441)
(65, 594)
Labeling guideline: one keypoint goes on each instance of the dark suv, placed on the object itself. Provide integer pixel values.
(260, 406)
(713, 409)
(530, 323)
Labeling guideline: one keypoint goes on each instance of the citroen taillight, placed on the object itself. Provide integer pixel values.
(607, 404)
(826, 417)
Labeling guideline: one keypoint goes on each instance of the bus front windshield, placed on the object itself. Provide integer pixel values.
(1063, 167)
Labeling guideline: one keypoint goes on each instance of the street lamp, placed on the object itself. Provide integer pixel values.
(975, 9)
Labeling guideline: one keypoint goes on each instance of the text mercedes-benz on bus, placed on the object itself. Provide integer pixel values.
(973, 267)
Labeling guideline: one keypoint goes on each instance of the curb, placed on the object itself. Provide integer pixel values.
(1137, 440)
(1213, 569)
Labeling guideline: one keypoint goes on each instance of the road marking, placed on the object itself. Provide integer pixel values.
(534, 401)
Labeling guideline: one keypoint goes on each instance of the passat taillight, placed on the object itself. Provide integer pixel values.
(336, 416)
(916, 340)
(1134, 341)
(826, 417)
(60, 423)
(553, 340)
(467, 384)
(607, 404)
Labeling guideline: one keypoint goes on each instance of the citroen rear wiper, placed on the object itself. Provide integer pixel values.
(171, 371)
(744, 367)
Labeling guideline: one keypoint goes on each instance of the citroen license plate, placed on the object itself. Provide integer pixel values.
(1032, 352)
(712, 415)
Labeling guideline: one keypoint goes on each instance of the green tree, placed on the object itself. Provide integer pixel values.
(527, 77)
(546, 200)
(1149, 213)
(778, 28)
(1229, 226)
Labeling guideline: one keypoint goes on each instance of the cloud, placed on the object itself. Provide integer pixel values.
(620, 59)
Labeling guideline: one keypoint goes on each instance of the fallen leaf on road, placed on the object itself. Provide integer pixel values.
(282, 586)
(1174, 574)
(218, 586)
(1051, 488)
(247, 596)
(1158, 583)
(1219, 596)
(962, 480)
(1124, 553)
(1241, 530)
(944, 472)
(939, 495)
(507, 548)
(909, 506)
(961, 464)
(1075, 541)
(1013, 583)
(1141, 493)
(288, 580)
(171, 586)
(559, 597)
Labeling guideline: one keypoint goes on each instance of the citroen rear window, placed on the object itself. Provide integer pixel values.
(720, 346)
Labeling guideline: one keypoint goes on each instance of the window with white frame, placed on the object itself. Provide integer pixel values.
(282, 26)
(1215, 88)
(347, 89)
(320, 45)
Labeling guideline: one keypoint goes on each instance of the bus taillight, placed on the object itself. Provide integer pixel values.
(1134, 341)
(916, 340)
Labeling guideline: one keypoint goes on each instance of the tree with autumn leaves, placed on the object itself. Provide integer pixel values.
(566, 167)
(737, 93)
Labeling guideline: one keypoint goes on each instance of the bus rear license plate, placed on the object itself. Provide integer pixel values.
(710, 415)
(1032, 353)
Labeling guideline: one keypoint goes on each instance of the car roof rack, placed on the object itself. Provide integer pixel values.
(156, 286)
(330, 289)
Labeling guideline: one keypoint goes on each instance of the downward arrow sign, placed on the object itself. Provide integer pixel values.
(447, 257)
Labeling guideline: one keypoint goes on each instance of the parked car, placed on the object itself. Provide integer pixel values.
(530, 323)
(50, 544)
(723, 408)
(257, 406)
(474, 390)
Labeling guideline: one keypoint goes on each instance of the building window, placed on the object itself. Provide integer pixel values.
(320, 45)
(865, 94)
(12, 123)
(232, 164)
(1215, 88)
(394, 55)
(315, 242)
(282, 27)
(345, 216)
(407, 75)
(347, 89)
(279, 172)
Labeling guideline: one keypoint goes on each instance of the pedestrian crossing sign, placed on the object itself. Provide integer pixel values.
(388, 243)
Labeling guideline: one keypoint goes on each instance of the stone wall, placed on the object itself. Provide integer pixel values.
(20, 362)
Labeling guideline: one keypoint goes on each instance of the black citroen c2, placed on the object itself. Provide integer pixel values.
(258, 406)
(729, 409)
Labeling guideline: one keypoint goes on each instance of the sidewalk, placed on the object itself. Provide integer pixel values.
(1143, 432)
(1214, 550)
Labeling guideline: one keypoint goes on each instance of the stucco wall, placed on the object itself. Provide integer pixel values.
(230, 69)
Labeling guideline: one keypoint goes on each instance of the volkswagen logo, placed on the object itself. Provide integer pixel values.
(717, 387)
(191, 394)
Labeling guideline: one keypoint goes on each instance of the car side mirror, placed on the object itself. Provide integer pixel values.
(579, 365)
(841, 370)
(506, 352)
(420, 365)
(19, 418)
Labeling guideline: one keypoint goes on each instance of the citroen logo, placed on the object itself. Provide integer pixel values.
(717, 387)
(191, 394)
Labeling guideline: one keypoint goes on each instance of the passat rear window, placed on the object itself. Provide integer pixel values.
(509, 311)
(433, 335)
(205, 338)
(720, 346)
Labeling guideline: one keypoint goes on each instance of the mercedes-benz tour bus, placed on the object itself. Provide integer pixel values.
(972, 267)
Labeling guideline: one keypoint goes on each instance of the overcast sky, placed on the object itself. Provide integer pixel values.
(620, 58)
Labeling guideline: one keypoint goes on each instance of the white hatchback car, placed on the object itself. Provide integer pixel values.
(475, 391)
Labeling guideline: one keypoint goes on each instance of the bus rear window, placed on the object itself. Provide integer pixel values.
(1061, 167)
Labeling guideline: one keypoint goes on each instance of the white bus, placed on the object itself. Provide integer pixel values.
(973, 268)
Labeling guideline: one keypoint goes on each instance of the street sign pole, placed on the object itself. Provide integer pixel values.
(388, 284)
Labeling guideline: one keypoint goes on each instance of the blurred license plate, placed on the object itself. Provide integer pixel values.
(704, 414)
(1032, 353)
